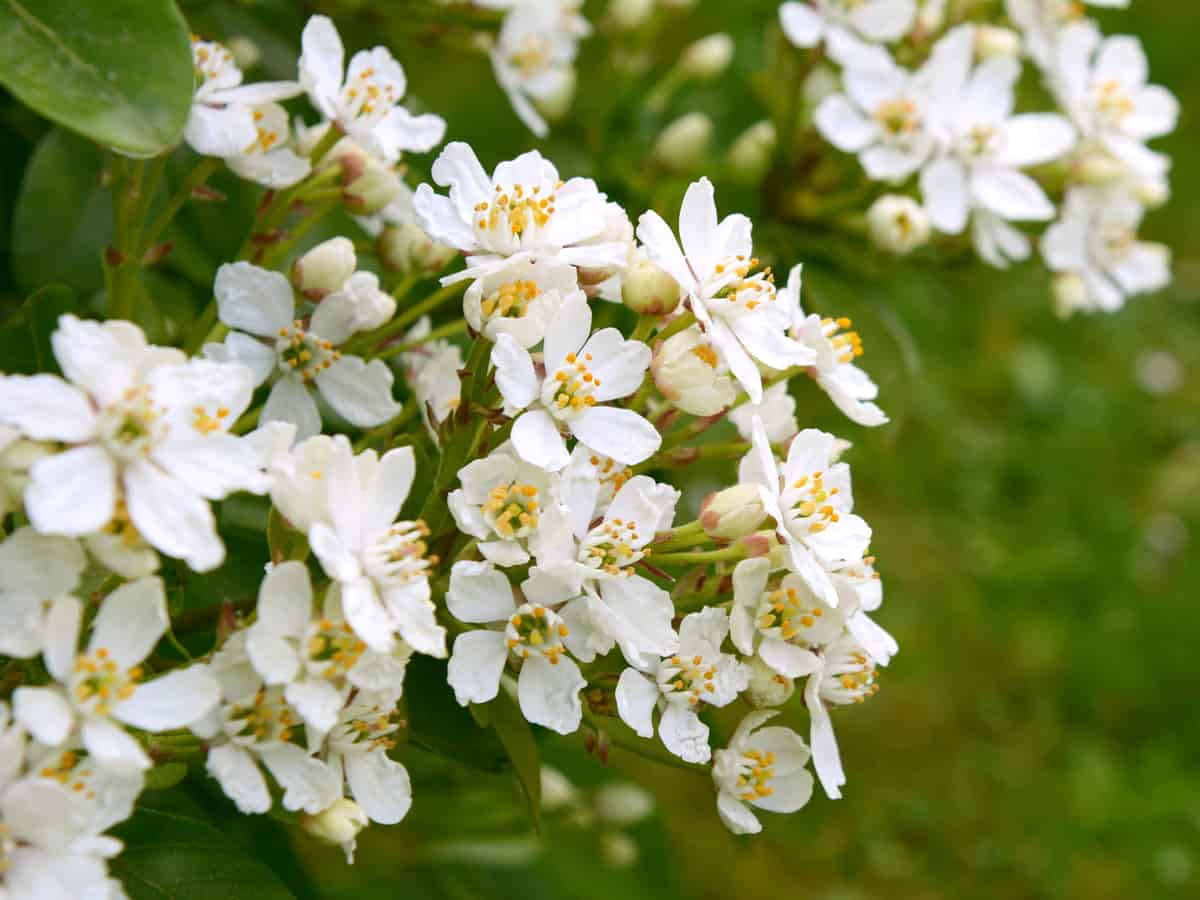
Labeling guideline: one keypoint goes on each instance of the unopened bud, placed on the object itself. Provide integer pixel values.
(407, 248)
(629, 14)
(1098, 167)
(369, 189)
(1152, 193)
(686, 369)
(732, 513)
(324, 268)
(708, 57)
(683, 143)
(765, 544)
(618, 849)
(767, 687)
(339, 824)
(622, 803)
(1070, 294)
(555, 105)
(245, 51)
(750, 153)
(821, 82)
(557, 791)
(898, 224)
(647, 289)
(993, 41)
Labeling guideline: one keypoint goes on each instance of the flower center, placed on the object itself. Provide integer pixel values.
(517, 213)
(333, 649)
(785, 614)
(612, 547)
(98, 682)
(130, 426)
(511, 510)
(266, 718)
(536, 630)
(1113, 102)
(737, 291)
(810, 504)
(850, 677)
(303, 352)
(371, 729)
(400, 554)
(367, 95)
(68, 771)
(980, 140)
(572, 389)
(510, 301)
(208, 59)
(611, 476)
(846, 344)
(755, 771)
(687, 678)
(532, 57)
(265, 139)
(898, 117)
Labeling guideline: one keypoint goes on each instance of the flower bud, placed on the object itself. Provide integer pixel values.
(1152, 193)
(245, 52)
(682, 144)
(765, 544)
(708, 57)
(629, 14)
(686, 369)
(732, 513)
(993, 41)
(647, 289)
(622, 803)
(767, 687)
(324, 268)
(750, 153)
(1098, 167)
(898, 224)
(618, 850)
(407, 248)
(339, 824)
(368, 188)
(557, 104)
(821, 82)
(1070, 294)
(557, 791)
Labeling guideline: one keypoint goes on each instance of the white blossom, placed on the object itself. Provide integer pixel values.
(761, 768)
(846, 27)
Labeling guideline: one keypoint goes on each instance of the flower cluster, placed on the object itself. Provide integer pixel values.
(946, 121)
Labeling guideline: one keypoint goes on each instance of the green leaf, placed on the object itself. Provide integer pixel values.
(118, 72)
(177, 850)
(437, 723)
(517, 737)
(285, 542)
(63, 217)
(42, 310)
(165, 776)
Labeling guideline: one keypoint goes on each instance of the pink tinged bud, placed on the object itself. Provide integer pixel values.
(647, 289)
(325, 268)
(339, 824)
(732, 513)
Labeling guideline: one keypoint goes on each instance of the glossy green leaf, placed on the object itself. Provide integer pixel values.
(42, 310)
(437, 723)
(118, 72)
(517, 737)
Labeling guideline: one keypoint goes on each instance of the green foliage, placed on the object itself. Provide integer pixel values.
(119, 72)
(42, 310)
(517, 737)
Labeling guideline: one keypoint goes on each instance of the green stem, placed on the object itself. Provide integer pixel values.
(644, 326)
(201, 172)
(684, 536)
(770, 382)
(619, 735)
(455, 327)
(686, 320)
(282, 248)
(404, 318)
(688, 558)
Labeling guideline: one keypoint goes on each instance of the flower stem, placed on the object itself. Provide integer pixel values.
(200, 173)
(688, 558)
(454, 327)
(677, 325)
(403, 319)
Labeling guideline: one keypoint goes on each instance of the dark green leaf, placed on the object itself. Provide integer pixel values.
(118, 72)
(165, 776)
(285, 542)
(517, 737)
(63, 217)
(438, 724)
(42, 310)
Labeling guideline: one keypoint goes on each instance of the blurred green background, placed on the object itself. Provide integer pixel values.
(1035, 504)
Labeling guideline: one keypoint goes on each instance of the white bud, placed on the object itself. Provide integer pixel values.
(708, 57)
(622, 803)
(750, 154)
(766, 544)
(732, 513)
(245, 51)
(687, 370)
(324, 268)
(556, 105)
(993, 41)
(931, 17)
(339, 824)
(767, 687)
(1098, 167)
(372, 305)
(630, 14)
(898, 224)
(821, 82)
(557, 791)
(369, 188)
(407, 248)
(683, 143)
(647, 289)
(1070, 295)
(618, 850)
(1152, 193)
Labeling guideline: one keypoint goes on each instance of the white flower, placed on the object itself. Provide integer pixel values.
(519, 299)
(319, 661)
(523, 208)
(140, 425)
(861, 592)
(846, 25)
(981, 147)
(512, 507)
(1101, 84)
(35, 570)
(581, 373)
(738, 312)
(532, 636)
(691, 374)
(763, 768)
(364, 100)
(358, 750)
(1096, 241)
(438, 386)
(846, 674)
(379, 564)
(1041, 23)
(608, 600)
(835, 349)
(810, 499)
(532, 58)
(679, 686)
(274, 343)
(101, 689)
(777, 412)
(242, 124)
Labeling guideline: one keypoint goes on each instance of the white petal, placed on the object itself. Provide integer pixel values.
(250, 352)
(131, 621)
(273, 657)
(1155, 113)
(476, 663)
(801, 23)
(388, 489)
(321, 64)
(884, 20)
(61, 636)
(636, 698)
(317, 701)
(172, 517)
(1035, 138)
(215, 465)
(415, 616)
(617, 364)
(72, 493)
(749, 584)
(175, 700)
(826, 759)
(367, 616)
(698, 227)
(537, 441)
(380, 786)
(514, 372)
(44, 712)
(457, 167)
(549, 693)
(843, 125)
(620, 433)
(736, 815)
(100, 357)
(239, 777)
(285, 599)
(944, 189)
(112, 748)
(478, 593)
(254, 300)
(789, 792)
(788, 659)
(1011, 195)
(46, 408)
(359, 392)
(39, 564)
(337, 561)
(308, 784)
(503, 553)
(684, 734)
(567, 331)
